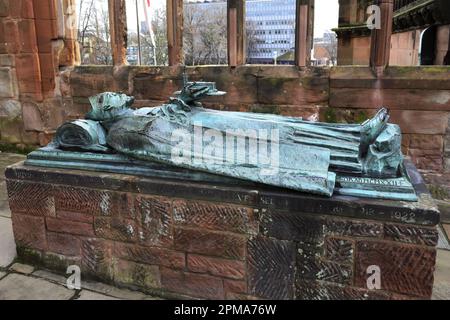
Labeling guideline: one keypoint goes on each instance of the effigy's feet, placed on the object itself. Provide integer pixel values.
(372, 128)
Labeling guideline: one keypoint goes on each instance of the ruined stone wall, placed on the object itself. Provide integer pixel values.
(405, 48)
(442, 43)
(280, 90)
(419, 100)
(353, 51)
(34, 45)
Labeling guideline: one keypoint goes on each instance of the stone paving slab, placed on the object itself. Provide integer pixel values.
(444, 232)
(4, 193)
(89, 295)
(20, 287)
(7, 244)
(52, 277)
(441, 290)
(4, 205)
(22, 268)
(4, 210)
(112, 291)
(96, 287)
(7, 159)
(2, 274)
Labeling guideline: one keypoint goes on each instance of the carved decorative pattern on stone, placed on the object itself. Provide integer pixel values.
(410, 234)
(214, 216)
(342, 227)
(32, 199)
(156, 227)
(271, 268)
(83, 200)
(96, 258)
(339, 250)
(404, 269)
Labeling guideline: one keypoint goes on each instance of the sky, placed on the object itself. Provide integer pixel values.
(326, 16)
(131, 11)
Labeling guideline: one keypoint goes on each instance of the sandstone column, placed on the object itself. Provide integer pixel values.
(381, 38)
(175, 31)
(118, 30)
(236, 32)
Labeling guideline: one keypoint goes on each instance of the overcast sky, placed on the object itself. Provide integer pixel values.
(326, 14)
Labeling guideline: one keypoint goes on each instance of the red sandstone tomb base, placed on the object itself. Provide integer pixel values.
(186, 239)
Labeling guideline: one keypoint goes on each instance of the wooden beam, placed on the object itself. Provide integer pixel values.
(380, 49)
(236, 32)
(118, 31)
(175, 31)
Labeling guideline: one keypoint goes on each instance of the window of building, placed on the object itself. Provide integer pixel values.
(270, 31)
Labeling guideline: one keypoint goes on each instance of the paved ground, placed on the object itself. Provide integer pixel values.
(23, 282)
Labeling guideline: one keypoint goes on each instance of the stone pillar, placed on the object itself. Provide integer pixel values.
(236, 32)
(67, 33)
(118, 31)
(447, 56)
(175, 31)
(304, 27)
(348, 12)
(301, 36)
(381, 38)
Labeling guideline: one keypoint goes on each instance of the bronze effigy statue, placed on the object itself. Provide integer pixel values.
(320, 158)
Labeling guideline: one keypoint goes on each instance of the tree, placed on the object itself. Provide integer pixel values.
(94, 33)
(147, 51)
(213, 37)
(205, 35)
(251, 38)
(191, 29)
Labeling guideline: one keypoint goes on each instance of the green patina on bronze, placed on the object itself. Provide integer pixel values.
(361, 160)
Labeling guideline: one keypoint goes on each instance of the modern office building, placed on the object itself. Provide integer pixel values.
(270, 27)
